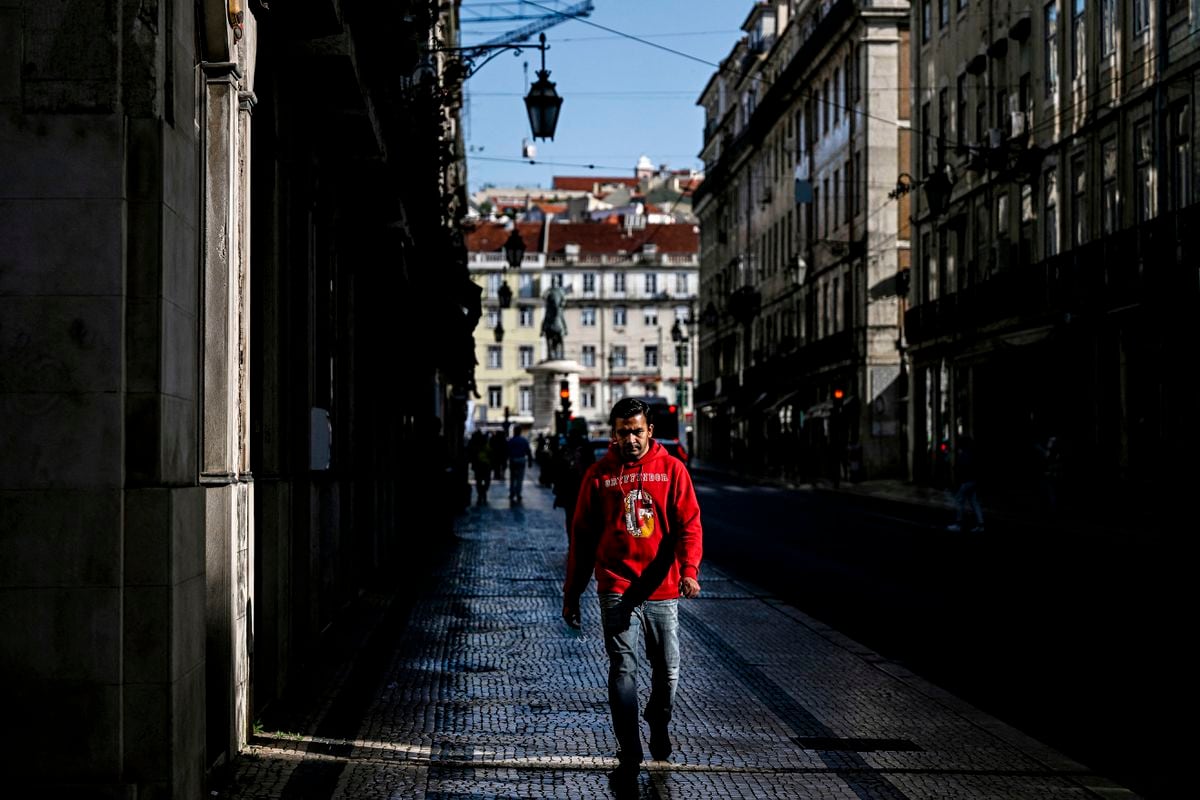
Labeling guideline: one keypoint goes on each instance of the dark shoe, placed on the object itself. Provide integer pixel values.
(660, 743)
(624, 779)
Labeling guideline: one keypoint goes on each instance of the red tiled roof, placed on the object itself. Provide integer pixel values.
(601, 239)
(588, 184)
(489, 237)
(592, 238)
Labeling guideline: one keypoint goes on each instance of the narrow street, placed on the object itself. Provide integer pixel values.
(1068, 636)
(472, 687)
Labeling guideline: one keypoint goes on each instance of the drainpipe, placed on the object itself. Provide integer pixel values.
(1160, 104)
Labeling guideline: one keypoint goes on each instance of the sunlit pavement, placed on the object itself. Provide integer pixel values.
(477, 690)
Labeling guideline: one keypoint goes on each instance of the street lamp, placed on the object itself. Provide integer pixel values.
(681, 342)
(543, 103)
(498, 331)
(514, 248)
(938, 187)
(904, 185)
(514, 254)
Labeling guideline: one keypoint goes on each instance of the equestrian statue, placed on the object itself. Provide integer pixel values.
(554, 325)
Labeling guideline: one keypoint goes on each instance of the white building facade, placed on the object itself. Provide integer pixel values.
(805, 135)
(625, 287)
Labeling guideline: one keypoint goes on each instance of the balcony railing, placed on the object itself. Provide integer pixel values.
(490, 260)
(1133, 266)
(627, 259)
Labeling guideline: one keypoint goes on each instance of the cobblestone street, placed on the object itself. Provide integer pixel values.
(478, 690)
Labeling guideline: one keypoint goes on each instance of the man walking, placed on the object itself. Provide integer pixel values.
(569, 466)
(519, 456)
(637, 526)
(966, 496)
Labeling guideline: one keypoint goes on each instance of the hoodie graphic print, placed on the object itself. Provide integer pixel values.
(636, 526)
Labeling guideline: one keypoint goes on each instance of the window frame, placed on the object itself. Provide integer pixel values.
(1050, 48)
(1110, 170)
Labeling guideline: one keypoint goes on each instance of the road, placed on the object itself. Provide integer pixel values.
(1075, 642)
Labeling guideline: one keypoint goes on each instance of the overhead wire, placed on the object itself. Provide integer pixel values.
(809, 94)
(1061, 110)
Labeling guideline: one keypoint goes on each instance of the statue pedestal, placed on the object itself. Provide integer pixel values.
(546, 378)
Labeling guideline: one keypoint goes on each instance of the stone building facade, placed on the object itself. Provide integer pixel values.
(1055, 239)
(626, 285)
(218, 217)
(802, 244)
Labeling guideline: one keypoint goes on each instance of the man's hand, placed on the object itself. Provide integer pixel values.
(570, 614)
(689, 587)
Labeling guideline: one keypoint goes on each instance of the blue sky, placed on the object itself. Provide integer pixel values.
(622, 98)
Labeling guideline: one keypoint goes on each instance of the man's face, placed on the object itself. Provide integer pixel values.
(633, 437)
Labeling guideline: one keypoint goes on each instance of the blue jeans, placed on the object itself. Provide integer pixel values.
(658, 620)
(966, 497)
(516, 478)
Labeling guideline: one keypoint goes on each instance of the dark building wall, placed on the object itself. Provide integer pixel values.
(202, 245)
(103, 534)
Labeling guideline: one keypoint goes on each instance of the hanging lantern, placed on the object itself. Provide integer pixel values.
(514, 249)
(543, 103)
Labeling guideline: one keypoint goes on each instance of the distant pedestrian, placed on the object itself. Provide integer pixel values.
(637, 527)
(519, 454)
(479, 456)
(570, 464)
(854, 462)
(1050, 461)
(966, 496)
(543, 456)
(498, 453)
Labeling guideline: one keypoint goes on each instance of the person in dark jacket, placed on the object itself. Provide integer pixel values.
(637, 528)
(570, 463)
(519, 454)
(967, 494)
(481, 465)
(498, 454)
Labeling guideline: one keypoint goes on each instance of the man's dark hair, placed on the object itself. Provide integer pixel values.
(628, 407)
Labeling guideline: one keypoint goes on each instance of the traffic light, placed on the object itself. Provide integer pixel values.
(838, 396)
(564, 398)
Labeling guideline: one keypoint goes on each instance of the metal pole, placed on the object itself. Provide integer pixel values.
(679, 389)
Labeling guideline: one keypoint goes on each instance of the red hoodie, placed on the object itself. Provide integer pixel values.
(624, 516)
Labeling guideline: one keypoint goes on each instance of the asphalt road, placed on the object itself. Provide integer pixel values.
(1074, 641)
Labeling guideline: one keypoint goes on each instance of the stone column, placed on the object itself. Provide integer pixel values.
(546, 378)
(225, 397)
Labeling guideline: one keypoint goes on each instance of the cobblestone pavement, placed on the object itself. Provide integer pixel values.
(477, 690)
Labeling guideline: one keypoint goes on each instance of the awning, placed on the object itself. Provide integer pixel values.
(743, 406)
(784, 400)
(822, 409)
(825, 407)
